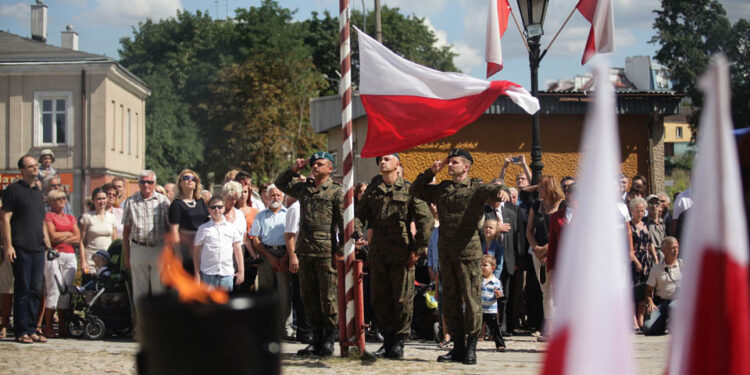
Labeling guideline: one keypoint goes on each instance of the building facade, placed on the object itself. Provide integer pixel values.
(86, 108)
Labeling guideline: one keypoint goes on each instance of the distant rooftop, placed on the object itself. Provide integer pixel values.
(17, 49)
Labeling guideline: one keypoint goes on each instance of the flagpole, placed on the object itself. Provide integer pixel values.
(350, 330)
(558, 33)
(523, 38)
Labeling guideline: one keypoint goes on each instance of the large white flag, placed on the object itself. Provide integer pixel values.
(591, 332)
(711, 329)
(497, 23)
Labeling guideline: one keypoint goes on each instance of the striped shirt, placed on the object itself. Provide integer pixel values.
(489, 301)
(148, 218)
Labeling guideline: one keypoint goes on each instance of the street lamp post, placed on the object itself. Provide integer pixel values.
(533, 13)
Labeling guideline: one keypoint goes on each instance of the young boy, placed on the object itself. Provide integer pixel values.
(215, 243)
(491, 291)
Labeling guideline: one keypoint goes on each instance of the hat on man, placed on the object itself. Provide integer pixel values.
(377, 159)
(45, 152)
(321, 155)
(462, 153)
(652, 196)
(103, 253)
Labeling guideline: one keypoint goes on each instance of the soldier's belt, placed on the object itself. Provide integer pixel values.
(317, 227)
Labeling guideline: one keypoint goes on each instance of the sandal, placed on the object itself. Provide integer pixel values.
(24, 339)
(37, 338)
(3, 332)
(500, 349)
(443, 344)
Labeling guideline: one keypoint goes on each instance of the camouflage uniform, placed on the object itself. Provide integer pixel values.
(321, 219)
(389, 211)
(460, 209)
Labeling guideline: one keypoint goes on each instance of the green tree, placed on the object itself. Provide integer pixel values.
(689, 32)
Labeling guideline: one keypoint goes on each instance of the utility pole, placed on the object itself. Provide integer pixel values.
(378, 26)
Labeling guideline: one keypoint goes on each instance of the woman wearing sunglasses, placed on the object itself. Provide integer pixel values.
(186, 213)
(215, 243)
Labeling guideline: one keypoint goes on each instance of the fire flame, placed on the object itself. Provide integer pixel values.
(188, 289)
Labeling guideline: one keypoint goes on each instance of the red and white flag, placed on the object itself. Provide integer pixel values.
(497, 22)
(408, 104)
(711, 323)
(591, 331)
(602, 35)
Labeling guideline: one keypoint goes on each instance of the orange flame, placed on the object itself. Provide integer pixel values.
(188, 289)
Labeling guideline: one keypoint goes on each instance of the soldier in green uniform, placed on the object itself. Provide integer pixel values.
(321, 220)
(389, 210)
(460, 203)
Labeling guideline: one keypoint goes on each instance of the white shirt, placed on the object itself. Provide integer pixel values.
(292, 219)
(217, 240)
(682, 203)
(239, 222)
(665, 283)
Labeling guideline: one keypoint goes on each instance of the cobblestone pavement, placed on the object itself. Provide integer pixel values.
(524, 356)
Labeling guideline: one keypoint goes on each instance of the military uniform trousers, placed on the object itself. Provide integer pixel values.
(461, 300)
(317, 280)
(392, 296)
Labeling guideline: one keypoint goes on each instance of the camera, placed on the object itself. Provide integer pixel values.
(515, 160)
(52, 254)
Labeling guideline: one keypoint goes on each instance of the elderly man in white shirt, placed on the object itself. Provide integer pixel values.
(215, 242)
(661, 288)
(268, 238)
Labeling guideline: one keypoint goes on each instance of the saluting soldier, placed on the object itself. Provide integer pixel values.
(321, 220)
(460, 203)
(389, 210)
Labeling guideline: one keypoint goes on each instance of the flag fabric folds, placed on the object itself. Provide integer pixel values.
(711, 323)
(408, 104)
(602, 34)
(591, 330)
(497, 22)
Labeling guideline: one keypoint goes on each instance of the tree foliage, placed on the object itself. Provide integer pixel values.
(689, 32)
(235, 94)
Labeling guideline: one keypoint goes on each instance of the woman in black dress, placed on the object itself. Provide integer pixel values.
(186, 213)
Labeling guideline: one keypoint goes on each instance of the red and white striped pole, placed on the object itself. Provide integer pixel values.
(345, 91)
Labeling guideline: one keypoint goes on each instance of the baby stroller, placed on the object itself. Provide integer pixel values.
(424, 322)
(103, 303)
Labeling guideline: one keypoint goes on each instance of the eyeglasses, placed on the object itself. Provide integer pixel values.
(111, 194)
(189, 178)
(663, 200)
(146, 182)
(217, 207)
(55, 185)
(61, 199)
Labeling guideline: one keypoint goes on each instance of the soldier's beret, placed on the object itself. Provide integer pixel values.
(462, 153)
(321, 155)
(377, 159)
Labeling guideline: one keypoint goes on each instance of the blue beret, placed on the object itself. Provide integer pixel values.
(377, 159)
(321, 155)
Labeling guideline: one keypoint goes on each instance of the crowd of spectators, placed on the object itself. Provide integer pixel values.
(243, 240)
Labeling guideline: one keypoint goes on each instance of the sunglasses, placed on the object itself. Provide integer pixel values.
(217, 207)
(146, 182)
(55, 185)
(189, 178)
(111, 194)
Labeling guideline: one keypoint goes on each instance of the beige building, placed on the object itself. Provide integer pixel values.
(86, 108)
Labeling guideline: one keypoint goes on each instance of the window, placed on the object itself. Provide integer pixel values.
(678, 133)
(114, 125)
(130, 132)
(53, 118)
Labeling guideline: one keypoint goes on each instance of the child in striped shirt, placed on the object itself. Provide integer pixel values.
(491, 291)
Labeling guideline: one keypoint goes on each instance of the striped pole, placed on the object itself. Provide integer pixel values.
(345, 91)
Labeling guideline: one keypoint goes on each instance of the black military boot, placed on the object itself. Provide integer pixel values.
(470, 358)
(457, 353)
(315, 344)
(397, 348)
(326, 346)
(387, 343)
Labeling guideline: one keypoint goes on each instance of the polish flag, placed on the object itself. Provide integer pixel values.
(591, 331)
(602, 35)
(711, 323)
(408, 104)
(497, 22)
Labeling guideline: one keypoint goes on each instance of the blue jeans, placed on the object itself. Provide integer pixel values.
(226, 282)
(656, 324)
(28, 270)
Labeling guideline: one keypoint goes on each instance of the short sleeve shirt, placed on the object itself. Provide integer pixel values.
(26, 225)
(292, 219)
(189, 218)
(489, 301)
(665, 283)
(148, 218)
(62, 223)
(270, 227)
(217, 241)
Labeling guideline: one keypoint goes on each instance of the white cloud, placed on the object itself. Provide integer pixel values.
(468, 58)
(130, 12)
(74, 2)
(21, 12)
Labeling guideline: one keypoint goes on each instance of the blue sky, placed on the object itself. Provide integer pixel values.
(460, 23)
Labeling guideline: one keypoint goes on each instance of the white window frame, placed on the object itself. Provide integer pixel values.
(38, 131)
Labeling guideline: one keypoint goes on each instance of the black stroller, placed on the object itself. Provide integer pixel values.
(102, 304)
